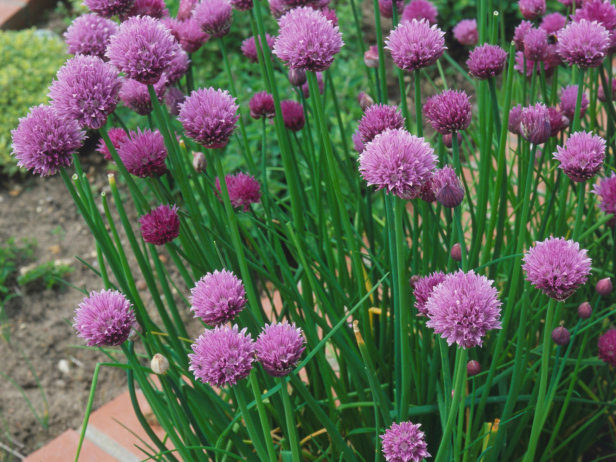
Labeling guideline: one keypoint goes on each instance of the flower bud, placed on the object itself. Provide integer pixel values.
(413, 280)
(199, 162)
(371, 56)
(604, 287)
(561, 336)
(456, 252)
(159, 364)
(473, 368)
(297, 77)
(365, 100)
(584, 310)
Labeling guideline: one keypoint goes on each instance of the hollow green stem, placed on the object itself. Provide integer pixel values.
(290, 422)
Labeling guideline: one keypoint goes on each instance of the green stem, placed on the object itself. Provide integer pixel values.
(418, 110)
(290, 421)
(382, 96)
(265, 425)
(575, 126)
(250, 424)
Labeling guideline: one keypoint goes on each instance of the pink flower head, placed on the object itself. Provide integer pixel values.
(377, 118)
(415, 44)
(463, 308)
(466, 33)
(568, 101)
(532, 9)
(602, 11)
(243, 190)
(279, 348)
(404, 442)
(174, 97)
(447, 187)
(241, 5)
(550, 61)
(423, 290)
(358, 144)
(142, 49)
(178, 66)
(486, 61)
(557, 267)
(292, 115)
(553, 22)
(262, 105)
(449, 111)
(515, 118)
(386, 7)
(601, 91)
(536, 44)
(89, 34)
(86, 90)
(144, 153)
(190, 35)
(117, 136)
(44, 142)
(582, 156)
(218, 297)
(420, 9)
(185, 9)
(209, 117)
(606, 190)
(535, 123)
(136, 97)
(331, 15)
(520, 32)
(108, 8)
(583, 43)
(558, 121)
(161, 225)
(153, 8)
(104, 318)
(214, 16)
(249, 47)
(278, 8)
(222, 356)
(307, 40)
(397, 161)
(607, 347)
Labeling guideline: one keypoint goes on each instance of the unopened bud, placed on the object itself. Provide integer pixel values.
(371, 56)
(134, 332)
(297, 77)
(413, 280)
(604, 287)
(456, 252)
(159, 364)
(365, 100)
(584, 310)
(561, 336)
(473, 368)
(199, 162)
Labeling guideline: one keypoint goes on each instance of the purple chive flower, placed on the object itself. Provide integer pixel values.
(558, 121)
(371, 57)
(447, 187)
(397, 161)
(449, 111)
(104, 318)
(44, 142)
(278, 8)
(583, 43)
(486, 61)
(606, 190)
(568, 100)
(515, 118)
(520, 32)
(557, 267)
(153, 8)
(357, 142)
(466, 33)
(601, 91)
(292, 115)
(243, 190)
(378, 118)
(404, 442)
(86, 90)
(604, 287)
(242, 5)
(185, 9)
(584, 310)
(209, 117)
(607, 347)
(582, 156)
(550, 61)
(178, 66)
(279, 348)
(536, 44)
(136, 97)
(463, 308)
(601, 11)
(262, 105)
(222, 356)
(415, 44)
(214, 17)
(307, 40)
(218, 297)
(109, 8)
(561, 336)
(249, 47)
(142, 49)
(331, 15)
(570, 2)
(386, 7)
(427, 193)
(553, 22)
(89, 35)
(420, 9)
(117, 137)
(144, 153)
(320, 83)
(161, 225)
(189, 34)
(423, 289)
(173, 98)
(532, 9)
(535, 123)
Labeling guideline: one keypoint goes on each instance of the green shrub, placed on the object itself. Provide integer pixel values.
(30, 59)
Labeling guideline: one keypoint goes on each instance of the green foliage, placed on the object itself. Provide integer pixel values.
(30, 59)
